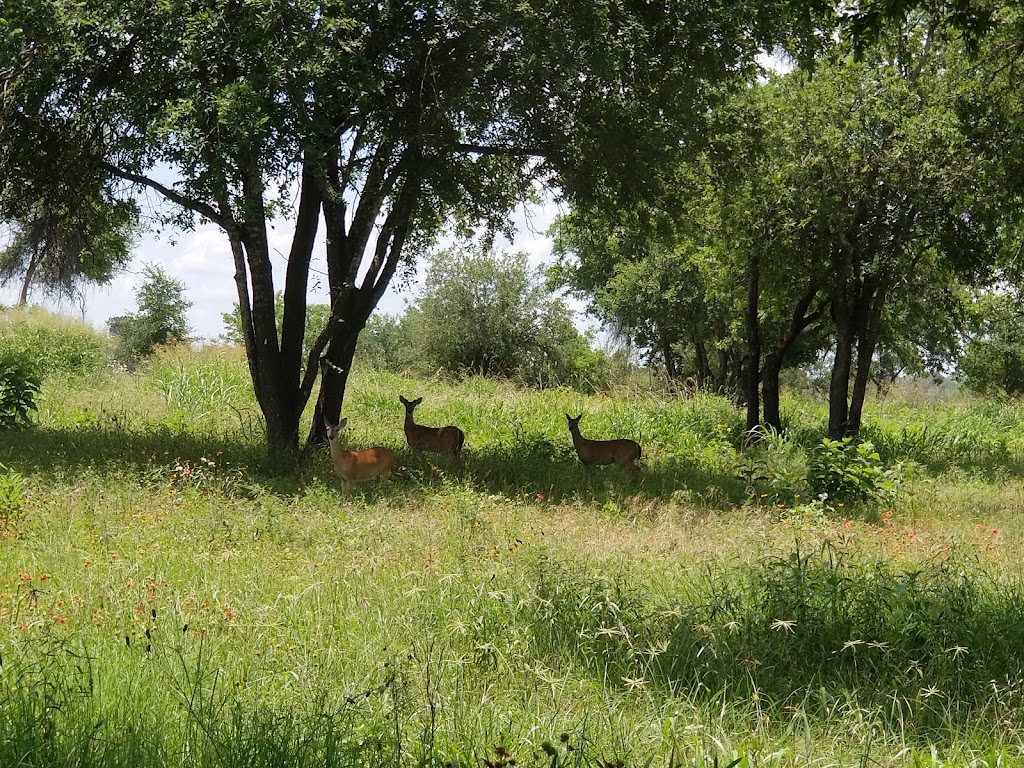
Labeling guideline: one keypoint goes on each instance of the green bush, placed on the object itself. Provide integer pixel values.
(19, 385)
(53, 344)
(161, 319)
(847, 471)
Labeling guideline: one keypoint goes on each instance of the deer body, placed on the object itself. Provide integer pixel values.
(354, 466)
(625, 453)
(447, 440)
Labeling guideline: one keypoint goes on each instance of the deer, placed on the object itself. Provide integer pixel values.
(447, 440)
(625, 453)
(354, 466)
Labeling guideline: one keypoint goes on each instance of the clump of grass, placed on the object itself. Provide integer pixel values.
(206, 384)
(55, 344)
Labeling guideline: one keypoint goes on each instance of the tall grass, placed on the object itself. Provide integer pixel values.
(166, 601)
(56, 345)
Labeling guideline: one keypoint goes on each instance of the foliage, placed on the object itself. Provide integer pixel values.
(850, 471)
(993, 360)
(386, 344)
(19, 385)
(847, 213)
(490, 314)
(392, 121)
(57, 245)
(55, 344)
(160, 318)
(212, 383)
(316, 320)
(12, 496)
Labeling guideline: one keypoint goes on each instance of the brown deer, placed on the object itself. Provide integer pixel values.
(625, 453)
(447, 440)
(354, 466)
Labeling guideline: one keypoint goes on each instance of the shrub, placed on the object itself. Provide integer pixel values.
(19, 385)
(53, 344)
(160, 320)
(849, 471)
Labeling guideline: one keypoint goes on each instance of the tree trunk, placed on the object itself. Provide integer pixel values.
(798, 323)
(703, 364)
(842, 306)
(752, 377)
(30, 273)
(867, 341)
(277, 401)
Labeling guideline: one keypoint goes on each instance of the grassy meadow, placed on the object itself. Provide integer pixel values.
(168, 598)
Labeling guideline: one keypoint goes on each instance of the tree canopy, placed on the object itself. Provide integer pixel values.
(385, 120)
(856, 201)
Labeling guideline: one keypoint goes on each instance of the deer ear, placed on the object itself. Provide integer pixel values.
(417, 401)
(342, 423)
(402, 400)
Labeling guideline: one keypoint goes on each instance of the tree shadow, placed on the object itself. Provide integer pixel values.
(161, 452)
(822, 631)
(553, 473)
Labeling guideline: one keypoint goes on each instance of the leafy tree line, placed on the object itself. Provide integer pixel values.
(828, 204)
(391, 119)
(848, 216)
(478, 312)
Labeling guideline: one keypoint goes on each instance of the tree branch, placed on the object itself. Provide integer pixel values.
(174, 196)
(489, 149)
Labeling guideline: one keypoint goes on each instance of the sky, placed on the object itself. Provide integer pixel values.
(202, 260)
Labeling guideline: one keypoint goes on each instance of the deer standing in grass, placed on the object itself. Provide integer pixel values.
(625, 453)
(447, 440)
(353, 466)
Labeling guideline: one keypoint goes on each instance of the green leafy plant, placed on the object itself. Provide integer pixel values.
(19, 385)
(12, 495)
(845, 471)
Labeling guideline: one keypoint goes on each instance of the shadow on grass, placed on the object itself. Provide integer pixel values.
(511, 470)
(555, 473)
(931, 648)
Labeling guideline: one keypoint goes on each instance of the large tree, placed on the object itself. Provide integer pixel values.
(383, 119)
(56, 246)
(837, 201)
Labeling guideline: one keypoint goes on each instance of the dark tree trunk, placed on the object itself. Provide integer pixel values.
(703, 365)
(351, 305)
(773, 361)
(752, 377)
(293, 321)
(839, 384)
(843, 306)
(867, 341)
(722, 374)
(30, 274)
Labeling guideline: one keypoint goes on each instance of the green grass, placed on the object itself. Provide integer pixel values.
(166, 601)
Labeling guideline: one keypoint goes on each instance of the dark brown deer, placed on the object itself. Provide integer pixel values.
(447, 440)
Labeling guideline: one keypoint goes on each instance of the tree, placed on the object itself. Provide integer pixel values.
(58, 245)
(388, 118)
(490, 314)
(993, 361)
(161, 317)
(838, 203)
(317, 316)
(385, 344)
